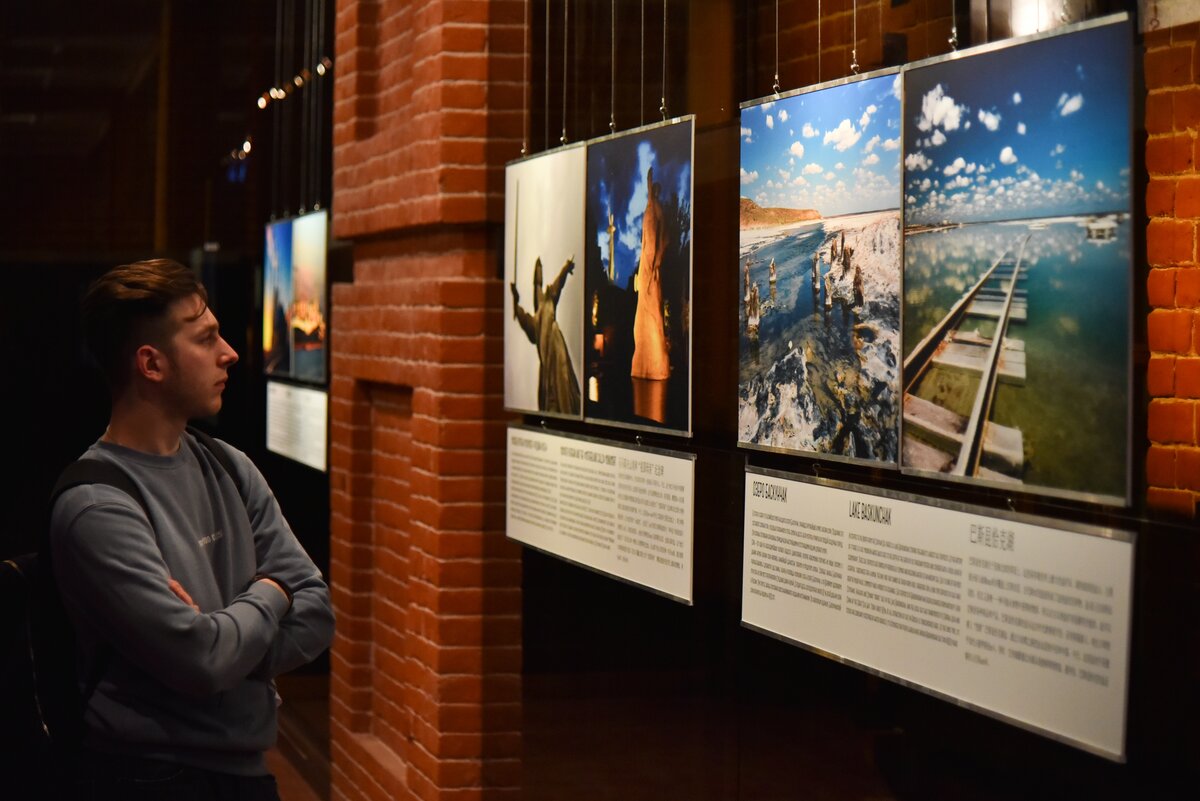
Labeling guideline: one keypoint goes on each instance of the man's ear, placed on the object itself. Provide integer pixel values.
(150, 363)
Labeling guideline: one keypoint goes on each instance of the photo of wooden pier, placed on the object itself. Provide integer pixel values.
(975, 338)
(1018, 253)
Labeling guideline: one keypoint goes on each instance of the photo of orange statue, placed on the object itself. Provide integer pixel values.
(651, 357)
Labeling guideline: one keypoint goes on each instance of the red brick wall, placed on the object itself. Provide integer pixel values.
(425, 689)
(1172, 67)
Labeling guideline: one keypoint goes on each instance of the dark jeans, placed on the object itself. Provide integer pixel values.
(111, 778)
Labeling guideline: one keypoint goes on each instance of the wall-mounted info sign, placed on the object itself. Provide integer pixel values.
(1026, 619)
(616, 509)
(297, 422)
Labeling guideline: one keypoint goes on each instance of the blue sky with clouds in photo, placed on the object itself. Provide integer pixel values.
(617, 171)
(1040, 129)
(835, 150)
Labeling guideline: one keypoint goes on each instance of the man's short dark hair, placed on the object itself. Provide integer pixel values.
(127, 307)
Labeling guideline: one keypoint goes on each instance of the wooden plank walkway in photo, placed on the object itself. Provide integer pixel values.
(954, 443)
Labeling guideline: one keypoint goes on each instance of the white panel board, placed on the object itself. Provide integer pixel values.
(623, 511)
(1027, 619)
(297, 422)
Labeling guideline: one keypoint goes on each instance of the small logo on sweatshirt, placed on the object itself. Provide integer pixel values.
(210, 539)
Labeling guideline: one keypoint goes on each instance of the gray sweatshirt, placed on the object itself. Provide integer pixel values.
(194, 688)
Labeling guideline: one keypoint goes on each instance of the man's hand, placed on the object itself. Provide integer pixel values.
(182, 594)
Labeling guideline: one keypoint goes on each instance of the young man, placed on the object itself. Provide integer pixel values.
(188, 610)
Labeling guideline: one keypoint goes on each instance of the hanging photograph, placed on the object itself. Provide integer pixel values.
(543, 299)
(1018, 244)
(277, 299)
(309, 306)
(819, 272)
(639, 278)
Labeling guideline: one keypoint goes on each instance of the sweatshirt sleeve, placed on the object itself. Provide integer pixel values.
(114, 582)
(307, 630)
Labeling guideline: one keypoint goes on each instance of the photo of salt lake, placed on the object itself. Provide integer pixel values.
(819, 272)
(1058, 416)
(1017, 266)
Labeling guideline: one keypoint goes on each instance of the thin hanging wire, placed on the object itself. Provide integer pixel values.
(642, 104)
(953, 40)
(525, 82)
(775, 86)
(546, 116)
(612, 108)
(663, 105)
(854, 33)
(818, 41)
(276, 109)
(563, 139)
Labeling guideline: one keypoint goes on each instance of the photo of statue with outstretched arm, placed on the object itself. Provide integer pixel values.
(558, 388)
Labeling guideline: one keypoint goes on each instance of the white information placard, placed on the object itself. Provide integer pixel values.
(623, 511)
(1026, 619)
(297, 421)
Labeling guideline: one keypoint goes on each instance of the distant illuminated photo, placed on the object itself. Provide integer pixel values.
(307, 311)
(277, 299)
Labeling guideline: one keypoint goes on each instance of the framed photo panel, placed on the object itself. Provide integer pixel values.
(1018, 247)
(819, 271)
(296, 298)
(543, 270)
(639, 278)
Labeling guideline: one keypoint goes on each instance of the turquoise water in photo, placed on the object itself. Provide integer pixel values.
(1073, 408)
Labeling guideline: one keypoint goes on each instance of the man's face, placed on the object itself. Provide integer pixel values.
(197, 360)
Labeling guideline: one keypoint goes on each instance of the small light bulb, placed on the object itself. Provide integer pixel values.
(298, 80)
(262, 102)
(246, 145)
(321, 68)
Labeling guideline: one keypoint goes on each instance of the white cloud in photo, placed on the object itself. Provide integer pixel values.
(990, 119)
(808, 132)
(891, 144)
(1058, 150)
(917, 161)
(843, 137)
(1007, 156)
(799, 181)
(784, 175)
(1016, 98)
(959, 182)
(766, 106)
(955, 167)
(813, 168)
(924, 187)
(897, 87)
(874, 140)
(1069, 105)
(1076, 176)
(829, 176)
(937, 139)
(839, 166)
(783, 115)
(797, 150)
(1021, 128)
(871, 159)
(747, 133)
(770, 122)
(865, 119)
(938, 110)
(749, 177)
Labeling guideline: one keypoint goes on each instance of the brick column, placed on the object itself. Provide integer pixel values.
(1173, 286)
(425, 690)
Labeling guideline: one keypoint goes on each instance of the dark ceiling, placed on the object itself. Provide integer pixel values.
(116, 122)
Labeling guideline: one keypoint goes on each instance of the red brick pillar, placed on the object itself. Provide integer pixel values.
(425, 691)
(1173, 331)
